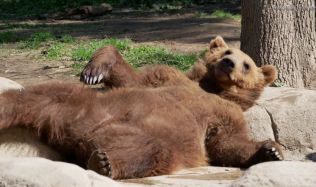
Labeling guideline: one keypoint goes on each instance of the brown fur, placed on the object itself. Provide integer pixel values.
(239, 85)
(136, 132)
(156, 121)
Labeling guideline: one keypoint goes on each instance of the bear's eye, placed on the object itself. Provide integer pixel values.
(246, 67)
(228, 52)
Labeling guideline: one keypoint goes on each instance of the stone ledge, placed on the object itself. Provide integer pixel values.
(40, 172)
(287, 116)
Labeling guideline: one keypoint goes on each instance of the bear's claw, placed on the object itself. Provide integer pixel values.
(273, 153)
(93, 74)
(92, 79)
(100, 163)
(96, 72)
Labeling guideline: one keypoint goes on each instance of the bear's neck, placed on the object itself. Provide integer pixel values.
(244, 97)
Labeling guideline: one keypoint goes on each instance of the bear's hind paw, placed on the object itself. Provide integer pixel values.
(272, 151)
(100, 163)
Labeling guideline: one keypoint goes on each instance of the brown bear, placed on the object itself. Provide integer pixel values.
(139, 131)
(227, 72)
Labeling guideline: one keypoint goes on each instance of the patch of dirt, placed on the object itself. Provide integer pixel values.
(27, 70)
(180, 32)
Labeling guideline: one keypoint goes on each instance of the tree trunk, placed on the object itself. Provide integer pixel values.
(282, 33)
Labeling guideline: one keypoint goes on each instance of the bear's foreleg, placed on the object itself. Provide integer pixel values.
(197, 71)
(239, 151)
(108, 66)
(228, 144)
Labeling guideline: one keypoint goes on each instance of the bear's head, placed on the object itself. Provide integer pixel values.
(235, 69)
(232, 74)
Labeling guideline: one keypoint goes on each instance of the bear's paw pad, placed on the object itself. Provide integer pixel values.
(100, 163)
(95, 74)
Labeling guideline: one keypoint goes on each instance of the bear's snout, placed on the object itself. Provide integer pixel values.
(227, 65)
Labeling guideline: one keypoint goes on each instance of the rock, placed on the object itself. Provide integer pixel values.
(292, 118)
(279, 174)
(18, 142)
(7, 84)
(202, 177)
(39, 172)
(270, 174)
(260, 123)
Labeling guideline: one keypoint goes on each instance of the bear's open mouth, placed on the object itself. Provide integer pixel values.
(223, 73)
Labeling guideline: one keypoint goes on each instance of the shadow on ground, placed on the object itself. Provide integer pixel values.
(311, 156)
(178, 28)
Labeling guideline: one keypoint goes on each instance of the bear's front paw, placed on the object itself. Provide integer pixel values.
(271, 151)
(100, 163)
(94, 73)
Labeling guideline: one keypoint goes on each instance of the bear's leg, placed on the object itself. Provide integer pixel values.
(227, 141)
(109, 67)
(239, 151)
(48, 108)
(121, 152)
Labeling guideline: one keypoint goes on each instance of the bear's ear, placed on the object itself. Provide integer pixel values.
(270, 73)
(218, 42)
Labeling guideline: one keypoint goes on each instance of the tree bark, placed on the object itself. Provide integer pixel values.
(282, 33)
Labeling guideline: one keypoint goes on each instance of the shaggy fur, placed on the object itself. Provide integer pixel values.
(156, 122)
(227, 72)
(136, 132)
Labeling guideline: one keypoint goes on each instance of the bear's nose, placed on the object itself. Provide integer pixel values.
(228, 65)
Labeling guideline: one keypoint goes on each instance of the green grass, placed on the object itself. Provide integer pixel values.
(37, 39)
(34, 41)
(219, 14)
(58, 51)
(165, 7)
(66, 47)
(85, 49)
(6, 37)
(144, 54)
(67, 39)
(136, 55)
